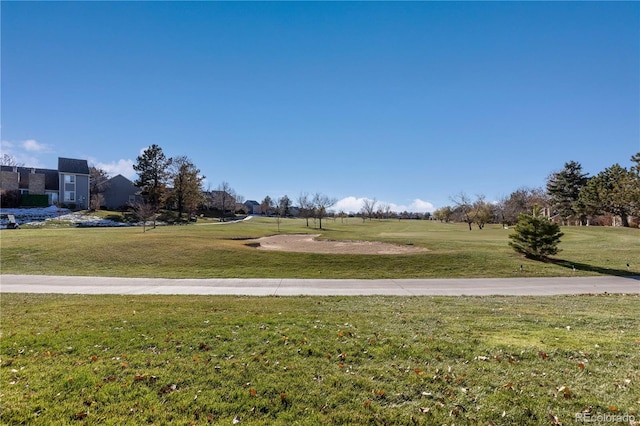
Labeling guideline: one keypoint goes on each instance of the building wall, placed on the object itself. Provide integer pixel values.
(9, 181)
(74, 191)
(119, 193)
(83, 191)
(36, 183)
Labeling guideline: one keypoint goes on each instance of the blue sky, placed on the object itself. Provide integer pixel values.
(409, 103)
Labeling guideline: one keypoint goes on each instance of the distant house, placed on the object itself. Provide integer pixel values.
(120, 192)
(68, 185)
(253, 207)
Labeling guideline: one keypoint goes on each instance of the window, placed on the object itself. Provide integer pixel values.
(69, 179)
(69, 195)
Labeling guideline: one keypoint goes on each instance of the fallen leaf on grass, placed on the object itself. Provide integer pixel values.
(566, 392)
(168, 389)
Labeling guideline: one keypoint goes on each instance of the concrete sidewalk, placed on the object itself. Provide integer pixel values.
(319, 287)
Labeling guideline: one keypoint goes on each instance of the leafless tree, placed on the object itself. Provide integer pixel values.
(464, 207)
(305, 206)
(226, 199)
(10, 160)
(145, 211)
(98, 184)
(321, 203)
(368, 208)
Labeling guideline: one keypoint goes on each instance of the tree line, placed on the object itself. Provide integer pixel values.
(571, 197)
(178, 184)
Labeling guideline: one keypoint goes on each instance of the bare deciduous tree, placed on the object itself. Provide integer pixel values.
(321, 203)
(368, 208)
(305, 206)
(145, 211)
(98, 184)
(10, 160)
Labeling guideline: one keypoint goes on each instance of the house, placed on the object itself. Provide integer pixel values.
(120, 192)
(253, 207)
(68, 185)
(74, 182)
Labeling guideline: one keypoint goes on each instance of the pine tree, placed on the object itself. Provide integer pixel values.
(153, 171)
(564, 189)
(535, 236)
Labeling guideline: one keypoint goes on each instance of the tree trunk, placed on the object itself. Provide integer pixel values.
(625, 220)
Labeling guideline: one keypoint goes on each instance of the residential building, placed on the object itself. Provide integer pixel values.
(68, 185)
(120, 193)
(253, 207)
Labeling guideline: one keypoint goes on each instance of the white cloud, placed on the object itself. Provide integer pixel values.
(25, 152)
(32, 145)
(349, 204)
(121, 167)
(354, 205)
(420, 206)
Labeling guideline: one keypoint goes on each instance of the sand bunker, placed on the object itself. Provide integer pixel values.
(308, 244)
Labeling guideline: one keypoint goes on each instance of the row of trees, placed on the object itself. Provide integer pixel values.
(571, 197)
(157, 173)
(576, 197)
(177, 182)
(314, 206)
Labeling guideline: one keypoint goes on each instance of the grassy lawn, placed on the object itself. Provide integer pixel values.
(312, 360)
(212, 250)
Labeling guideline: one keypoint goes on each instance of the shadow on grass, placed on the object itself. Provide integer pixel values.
(597, 269)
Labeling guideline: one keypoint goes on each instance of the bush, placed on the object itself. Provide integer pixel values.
(535, 236)
(10, 199)
(35, 200)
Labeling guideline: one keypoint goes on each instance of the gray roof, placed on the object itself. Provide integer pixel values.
(72, 165)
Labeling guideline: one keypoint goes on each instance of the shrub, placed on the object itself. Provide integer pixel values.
(10, 199)
(535, 236)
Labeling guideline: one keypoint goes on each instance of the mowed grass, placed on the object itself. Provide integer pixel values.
(202, 251)
(317, 360)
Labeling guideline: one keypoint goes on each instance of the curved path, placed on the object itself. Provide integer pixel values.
(320, 287)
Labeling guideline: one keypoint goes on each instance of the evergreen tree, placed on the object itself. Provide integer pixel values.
(564, 189)
(153, 172)
(535, 236)
(614, 190)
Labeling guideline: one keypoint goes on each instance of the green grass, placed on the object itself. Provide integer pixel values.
(311, 360)
(212, 250)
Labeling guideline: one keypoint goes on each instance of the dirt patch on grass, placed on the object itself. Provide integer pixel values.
(308, 244)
